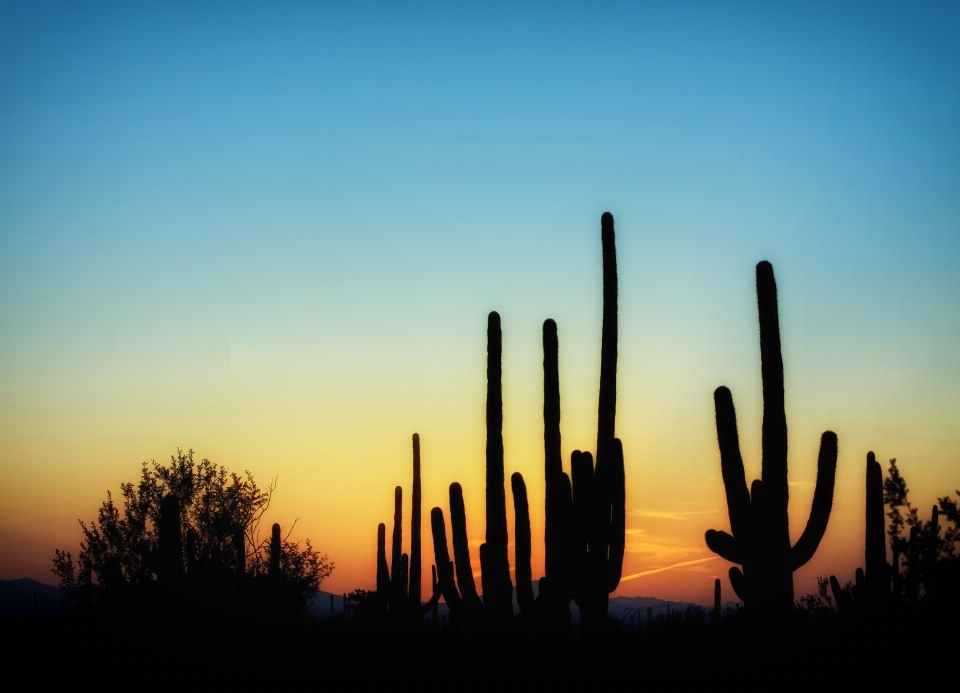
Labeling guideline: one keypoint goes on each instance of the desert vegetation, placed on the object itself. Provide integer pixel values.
(184, 566)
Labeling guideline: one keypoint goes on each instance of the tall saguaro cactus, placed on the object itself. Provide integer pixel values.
(494, 560)
(760, 539)
(415, 531)
(599, 498)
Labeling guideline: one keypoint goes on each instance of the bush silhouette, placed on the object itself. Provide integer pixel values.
(190, 531)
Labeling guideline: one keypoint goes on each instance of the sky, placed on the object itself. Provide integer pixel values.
(272, 235)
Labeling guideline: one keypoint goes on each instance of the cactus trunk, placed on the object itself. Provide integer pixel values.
(494, 561)
(415, 530)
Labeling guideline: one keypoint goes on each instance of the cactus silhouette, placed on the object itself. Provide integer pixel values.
(760, 539)
(559, 531)
(716, 601)
(585, 521)
(275, 549)
(415, 530)
(871, 588)
(585, 524)
(398, 587)
(494, 560)
(521, 542)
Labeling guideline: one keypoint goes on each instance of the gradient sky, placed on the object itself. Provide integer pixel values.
(273, 236)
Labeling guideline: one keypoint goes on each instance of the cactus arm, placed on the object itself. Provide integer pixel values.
(731, 464)
(383, 573)
(398, 590)
(724, 546)
(568, 538)
(807, 545)
(434, 595)
(444, 568)
(618, 516)
(521, 538)
(739, 584)
(461, 549)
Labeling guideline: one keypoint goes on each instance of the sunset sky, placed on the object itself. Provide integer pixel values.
(274, 236)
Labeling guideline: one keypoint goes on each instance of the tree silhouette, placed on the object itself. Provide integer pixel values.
(190, 528)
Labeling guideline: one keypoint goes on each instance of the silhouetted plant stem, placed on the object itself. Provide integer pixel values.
(494, 561)
(414, 579)
(461, 548)
(397, 588)
(521, 539)
(876, 578)
(444, 567)
(872, 588)
(560, 541)
(758, 519)
(383, 572)
(716, 601)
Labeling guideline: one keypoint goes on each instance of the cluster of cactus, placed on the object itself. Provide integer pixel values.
(585, 520)
(760, 539)
(872, 587)
(877, 587)
(398, 587)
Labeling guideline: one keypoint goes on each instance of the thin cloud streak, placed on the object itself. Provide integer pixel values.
(669, 567)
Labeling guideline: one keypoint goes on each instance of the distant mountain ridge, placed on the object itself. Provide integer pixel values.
(621, 608)
(17, 600)
(17, 603)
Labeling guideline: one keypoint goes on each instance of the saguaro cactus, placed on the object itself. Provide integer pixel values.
(758, 518)
(521, 543)
(275, 550)
(415, 531)
(494, 560)
(871, 588)
(716, 601)
(560, 560)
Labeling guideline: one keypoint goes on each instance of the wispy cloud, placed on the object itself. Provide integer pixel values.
(669, 567)
(669, 514)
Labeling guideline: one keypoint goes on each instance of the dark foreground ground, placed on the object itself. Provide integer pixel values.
(138, 654)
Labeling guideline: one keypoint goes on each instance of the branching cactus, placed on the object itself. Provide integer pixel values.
(399, 586)
(460, 592)
(760, 539)
(585, 521)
